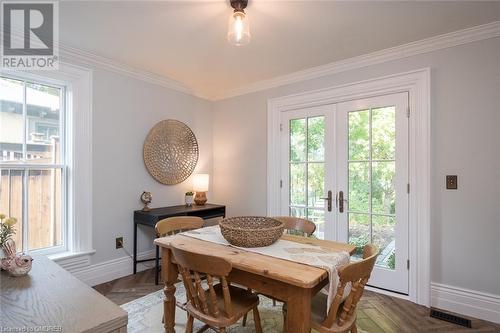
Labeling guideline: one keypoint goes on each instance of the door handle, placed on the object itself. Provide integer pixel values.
(340, 201)
(328, 201)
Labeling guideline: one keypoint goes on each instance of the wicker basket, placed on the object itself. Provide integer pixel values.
(251, 231)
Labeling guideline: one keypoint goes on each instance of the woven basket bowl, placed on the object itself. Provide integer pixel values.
(251, 231)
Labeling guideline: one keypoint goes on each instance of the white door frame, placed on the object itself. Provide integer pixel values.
(417, 84)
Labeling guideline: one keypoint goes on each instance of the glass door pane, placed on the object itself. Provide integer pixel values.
(306, 169)
(371, 181)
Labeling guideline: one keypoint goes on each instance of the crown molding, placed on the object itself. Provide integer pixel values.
(68, 53)
(456, 38)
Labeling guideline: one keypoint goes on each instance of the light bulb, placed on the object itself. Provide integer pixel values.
(238, 29)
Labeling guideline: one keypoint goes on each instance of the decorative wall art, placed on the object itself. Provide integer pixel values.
(170, 152)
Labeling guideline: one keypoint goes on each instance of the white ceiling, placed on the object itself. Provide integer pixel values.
(185, 40)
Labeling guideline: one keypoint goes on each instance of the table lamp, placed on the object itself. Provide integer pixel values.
(200, 186)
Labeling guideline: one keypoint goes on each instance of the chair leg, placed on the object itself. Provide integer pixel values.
(256, 320)
(157, 264)
(189, 324)
(244, 320)
(354, 329)
(284, 309)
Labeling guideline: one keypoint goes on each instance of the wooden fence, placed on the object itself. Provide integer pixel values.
(43, 208)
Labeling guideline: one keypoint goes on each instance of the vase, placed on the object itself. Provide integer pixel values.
(189, 200)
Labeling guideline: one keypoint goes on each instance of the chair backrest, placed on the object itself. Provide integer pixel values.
(173, 225)
(297, 225)
(191, 266)
(356, 273)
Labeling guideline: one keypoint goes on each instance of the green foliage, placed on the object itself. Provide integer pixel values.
(307, 136)
(6, 229)
(381, 133)
(360, 242)
(189, 193)
(371, 135)
(392, 261)
(359, 135)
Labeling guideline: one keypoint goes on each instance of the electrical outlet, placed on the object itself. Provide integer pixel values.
(451, 182)
(119, 242)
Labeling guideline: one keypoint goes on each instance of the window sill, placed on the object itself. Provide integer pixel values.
(72, 260)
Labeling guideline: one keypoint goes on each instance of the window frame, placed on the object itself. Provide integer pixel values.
(26, 165)
(77, 81)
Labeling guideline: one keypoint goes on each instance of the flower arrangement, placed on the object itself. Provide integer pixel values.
(17, 264)
(6, 228)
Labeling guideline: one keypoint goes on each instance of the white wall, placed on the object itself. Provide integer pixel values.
(465, 223)
(124, 110)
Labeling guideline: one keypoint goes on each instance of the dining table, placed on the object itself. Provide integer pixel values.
(291, 282)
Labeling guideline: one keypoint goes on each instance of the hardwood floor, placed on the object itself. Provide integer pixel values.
(377, 312)
(131, 287)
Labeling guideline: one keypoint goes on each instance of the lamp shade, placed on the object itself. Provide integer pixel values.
(200, 182)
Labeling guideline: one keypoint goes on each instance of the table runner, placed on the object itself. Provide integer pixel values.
(308, 254)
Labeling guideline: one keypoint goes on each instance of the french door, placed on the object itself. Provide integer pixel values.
(345, 167)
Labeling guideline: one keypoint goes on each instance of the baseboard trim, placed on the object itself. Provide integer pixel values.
(466, 302)
(109, 270)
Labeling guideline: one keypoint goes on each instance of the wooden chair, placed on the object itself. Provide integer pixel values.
(294, 226)
(220, 305)
(297, 225)
(342, 315)
(171, 226)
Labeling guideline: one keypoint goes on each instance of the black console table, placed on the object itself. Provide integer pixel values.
(150, 218)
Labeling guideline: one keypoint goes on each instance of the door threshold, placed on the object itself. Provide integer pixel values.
(388, 292)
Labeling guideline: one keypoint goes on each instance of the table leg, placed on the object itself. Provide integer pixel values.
(299, 311)
(135, 248)
(169, 274)
(157, 263)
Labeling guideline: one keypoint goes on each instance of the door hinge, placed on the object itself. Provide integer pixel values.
(281, 127)
(408, 264)
(281, 184)
(408, 188)
(408, 112)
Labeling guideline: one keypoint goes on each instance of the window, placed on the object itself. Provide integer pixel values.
(33, 184)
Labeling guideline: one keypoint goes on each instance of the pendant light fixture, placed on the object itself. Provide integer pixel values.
(238, 32)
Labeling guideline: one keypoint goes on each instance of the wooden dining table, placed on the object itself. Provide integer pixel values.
(288, 281)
